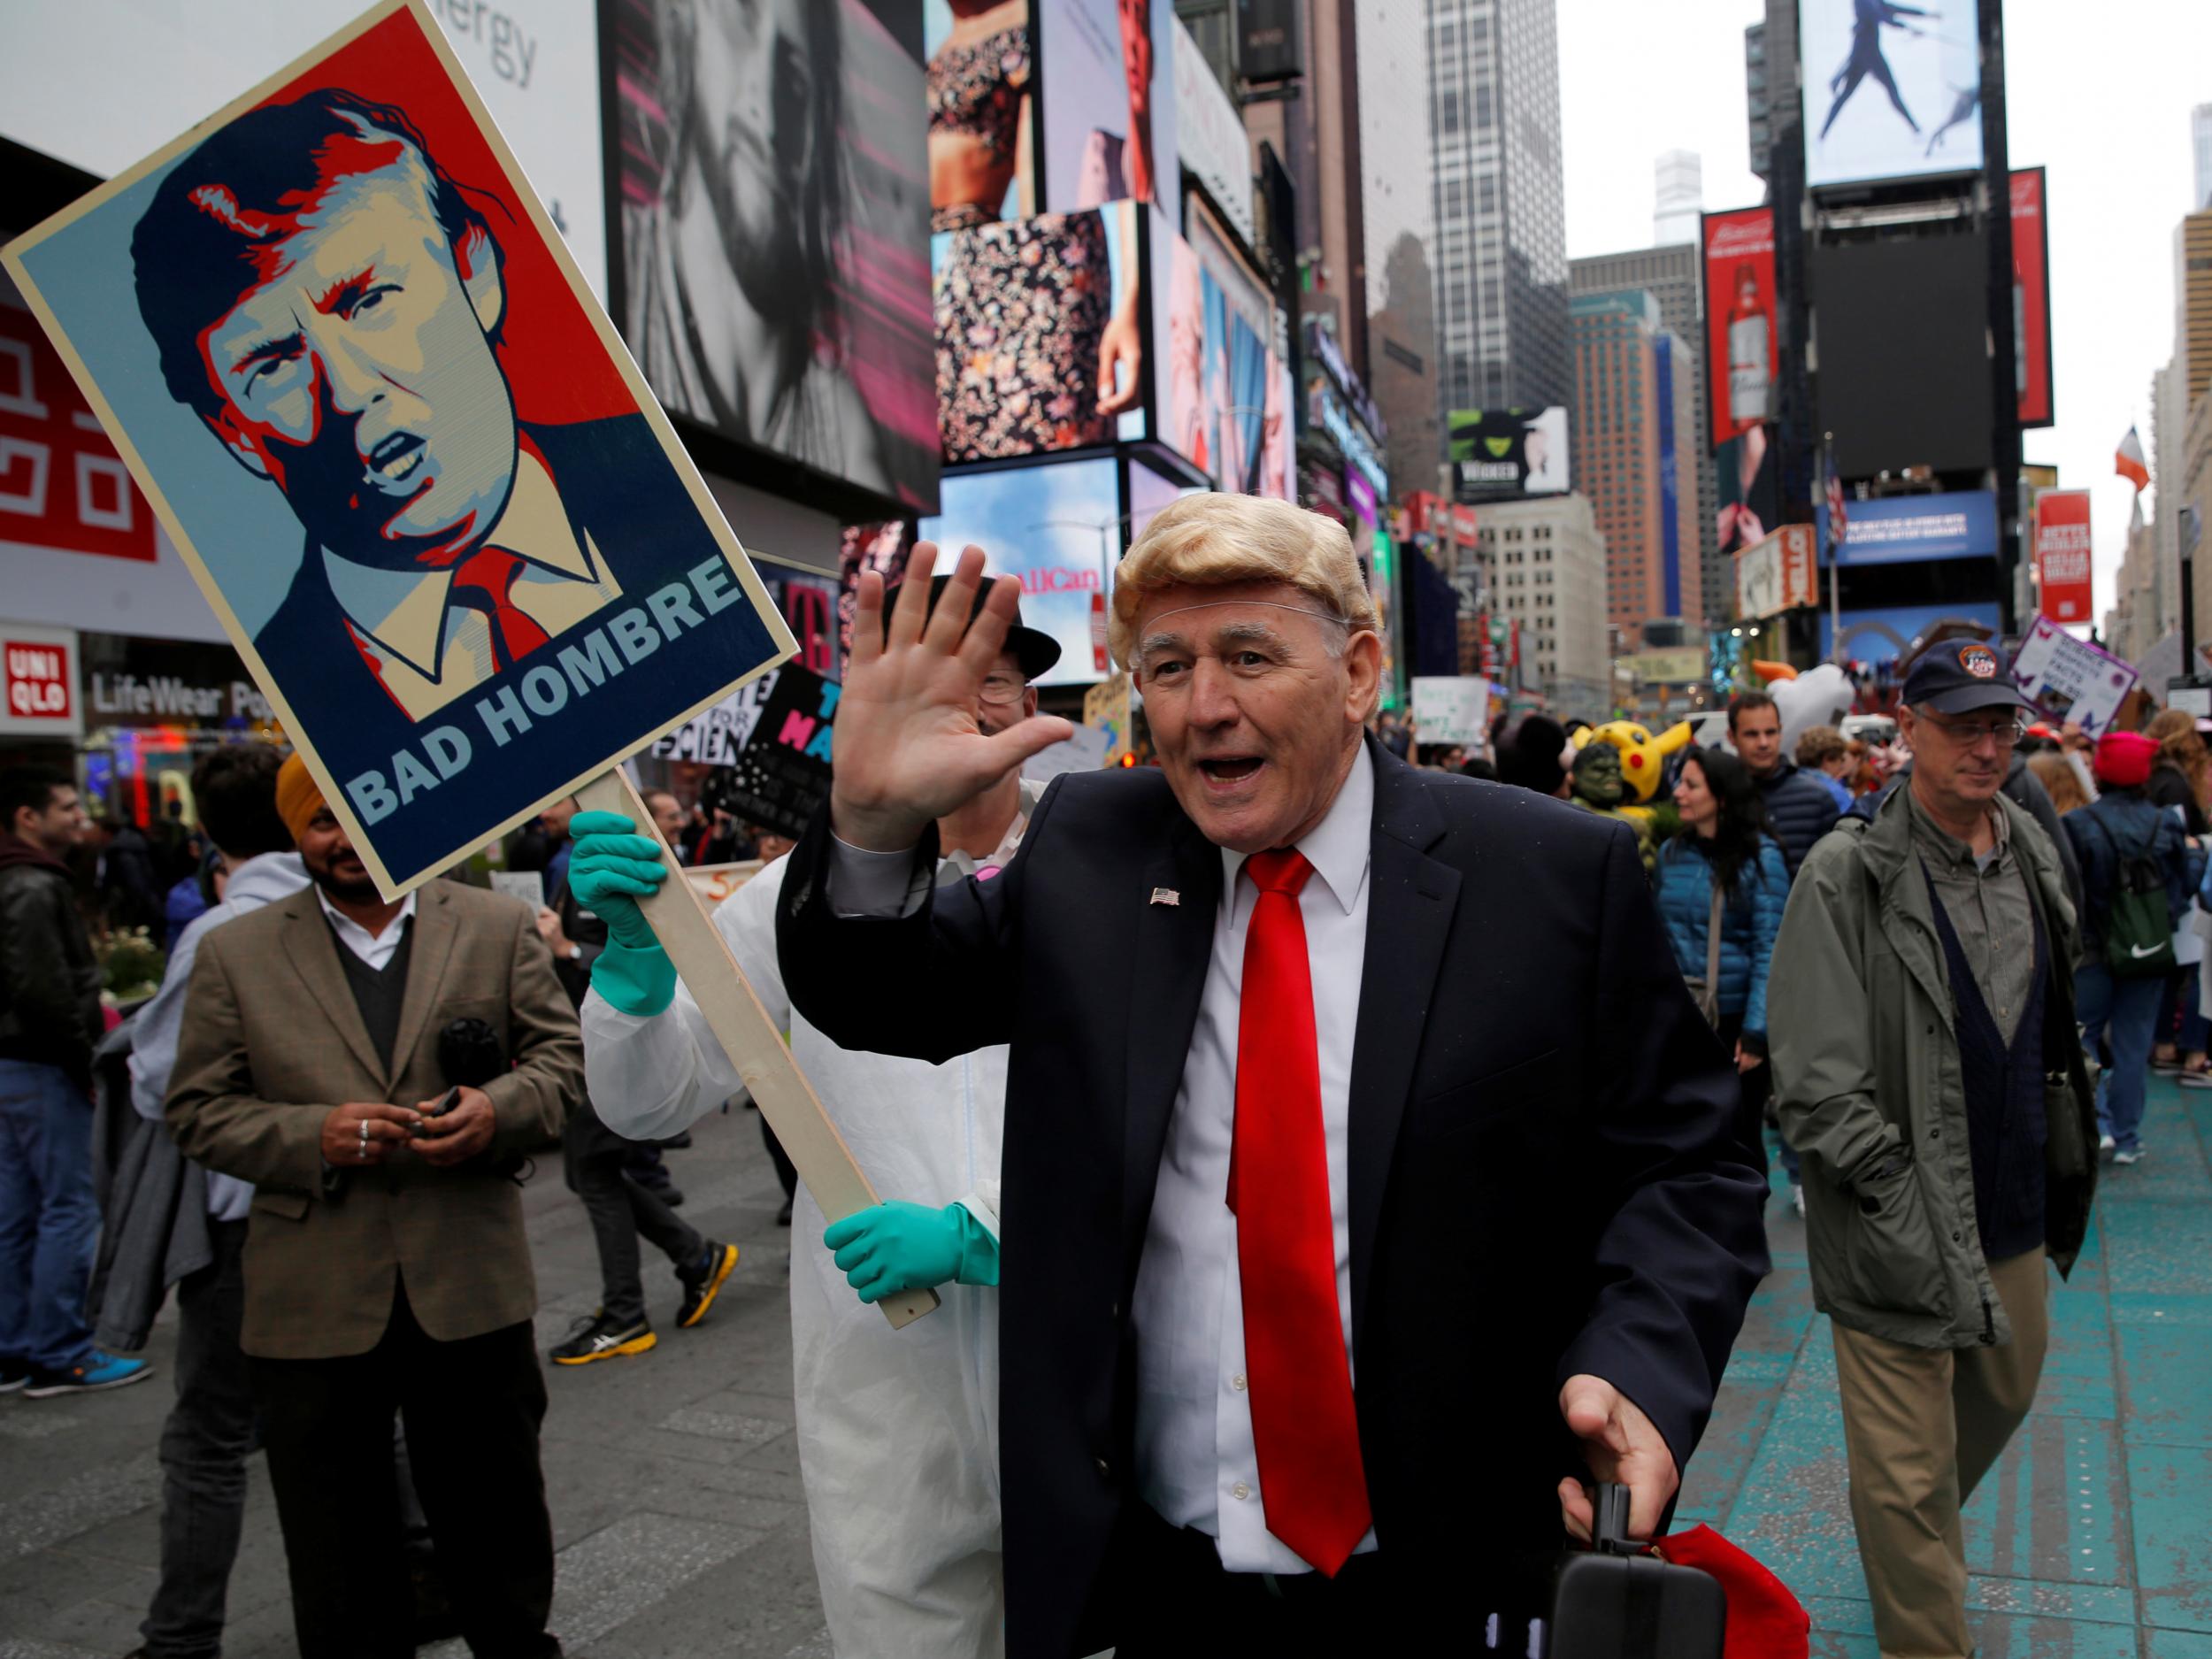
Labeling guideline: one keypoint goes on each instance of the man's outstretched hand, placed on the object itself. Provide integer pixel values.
(909, 751)
(1620, 1445)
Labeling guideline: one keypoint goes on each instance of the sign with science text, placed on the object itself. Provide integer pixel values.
(347, 356)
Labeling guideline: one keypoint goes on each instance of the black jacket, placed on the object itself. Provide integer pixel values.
(1800, 810)
(50, 983)
(1525, 1203)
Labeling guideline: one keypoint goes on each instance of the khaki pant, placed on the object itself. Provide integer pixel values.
(1923, 1426)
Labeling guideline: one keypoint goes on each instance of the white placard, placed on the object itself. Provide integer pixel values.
(2069, 678)
(1451, 710)
(1083, 751)
(527, 885)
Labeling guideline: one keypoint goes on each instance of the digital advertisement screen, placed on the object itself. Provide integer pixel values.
(1108, 104)
(1220, 391)
(774, 250)
(1506, 452)
(982, 80)
(1058, 526)
(2032, 298)
(1903, 529)
(1741, 343)
(1749, 475)
(1890, 91)
(99, 83)
(1880, 636)
(2062, 555)
(1041, 341)
(1902, 331)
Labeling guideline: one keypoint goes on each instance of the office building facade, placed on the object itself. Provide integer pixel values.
(1546, 557)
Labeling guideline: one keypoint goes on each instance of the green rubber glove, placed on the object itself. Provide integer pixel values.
(912, 1247)
(609, 869)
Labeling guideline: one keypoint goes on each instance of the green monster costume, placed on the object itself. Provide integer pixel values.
(1595, 785)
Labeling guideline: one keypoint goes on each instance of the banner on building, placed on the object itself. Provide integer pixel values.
(1210, 134)
(2032, 298)
(1776, 573)
(1741, 341)
(410, 463)
(1900, 529)
(1106, 75)
(39, 696)
(2062, 555)
(2071, 679)
(1507, 452)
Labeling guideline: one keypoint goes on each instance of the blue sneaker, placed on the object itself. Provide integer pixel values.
(100, 1370)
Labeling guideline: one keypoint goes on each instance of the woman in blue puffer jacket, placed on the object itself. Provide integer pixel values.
(1724, 837)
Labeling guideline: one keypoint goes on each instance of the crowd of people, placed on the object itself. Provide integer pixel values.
(1177, 1205)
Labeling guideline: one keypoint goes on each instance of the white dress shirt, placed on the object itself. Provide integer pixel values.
(374, 948)
(1195, 1462)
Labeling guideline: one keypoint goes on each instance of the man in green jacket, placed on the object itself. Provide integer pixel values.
(1920, 1014)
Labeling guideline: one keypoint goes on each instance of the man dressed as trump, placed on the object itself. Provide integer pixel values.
(1368, 1182)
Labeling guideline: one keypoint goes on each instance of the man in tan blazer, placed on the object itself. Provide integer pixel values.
(385, 1266)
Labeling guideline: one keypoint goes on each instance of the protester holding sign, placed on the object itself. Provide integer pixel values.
(907, 1541)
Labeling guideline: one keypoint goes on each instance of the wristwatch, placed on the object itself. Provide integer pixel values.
(575, 953)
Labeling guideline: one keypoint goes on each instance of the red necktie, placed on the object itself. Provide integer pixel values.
(1303, 1429)
(483, 584)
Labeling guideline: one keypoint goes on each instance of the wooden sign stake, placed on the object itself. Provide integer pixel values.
(755, 1047)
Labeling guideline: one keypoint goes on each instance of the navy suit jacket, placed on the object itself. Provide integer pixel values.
(1545, 1174)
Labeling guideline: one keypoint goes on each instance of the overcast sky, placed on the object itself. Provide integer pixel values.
(2100, 97)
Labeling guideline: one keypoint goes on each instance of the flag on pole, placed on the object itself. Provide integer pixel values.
(2129, 462)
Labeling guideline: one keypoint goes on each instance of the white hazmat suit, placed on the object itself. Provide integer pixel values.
(898, 1430)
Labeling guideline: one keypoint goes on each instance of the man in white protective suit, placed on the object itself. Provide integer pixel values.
(898, 1430)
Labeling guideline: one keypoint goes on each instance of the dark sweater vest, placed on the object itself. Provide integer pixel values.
(2005, 1124)
(378, 994)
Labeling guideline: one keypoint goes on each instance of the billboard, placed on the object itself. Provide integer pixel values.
(1750, 489)
(773, 248)
(399, 444)
(1505, 452)
(1108, 104)
(1741, 344)
(1057, 527)
(1902, 328)
(1209, 135)
(1903, 529)
(2062, 555)
(1219, 387)
(1039, 333)
(1776, 573)
(1890, 91)
(2032, 298)
(99, 83)
(982, 87)
(1879, 635)
(1267, 40)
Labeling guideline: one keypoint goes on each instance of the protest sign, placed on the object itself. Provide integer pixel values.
(346, 355)
(527, 885)
(782, 774)
(1451, 708)
(1106, 708)
(1083, 750)
(718, 736)
(713, 883)
(2069, 678)
(349, 359)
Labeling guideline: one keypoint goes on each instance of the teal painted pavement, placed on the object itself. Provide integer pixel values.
(2092, 1538)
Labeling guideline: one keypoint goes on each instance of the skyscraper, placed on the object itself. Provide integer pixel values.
(2201, 150)
(1499, 203)
(1670, 275)
(1618, 417)
(1399, 218)
(1678, 197)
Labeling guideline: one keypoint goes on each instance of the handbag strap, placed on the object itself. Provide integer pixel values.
(1712, 938)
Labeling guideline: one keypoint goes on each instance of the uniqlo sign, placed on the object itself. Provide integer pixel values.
(61, 483)
(2062, 554)
(38, 682)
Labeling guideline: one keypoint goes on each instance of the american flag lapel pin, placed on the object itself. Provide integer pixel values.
(1166, 895)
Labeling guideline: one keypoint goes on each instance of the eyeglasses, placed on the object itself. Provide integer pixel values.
(1001, 689)
(1970, 734)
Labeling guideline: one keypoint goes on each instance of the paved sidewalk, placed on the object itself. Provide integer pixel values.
(2092, 1537)
(682, 1533)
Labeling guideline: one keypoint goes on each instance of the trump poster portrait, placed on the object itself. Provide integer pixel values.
(347, 356)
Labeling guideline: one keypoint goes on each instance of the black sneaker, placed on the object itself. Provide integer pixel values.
(783, 1214)
(701, 1286)
(602, 1338)
(13, 1375)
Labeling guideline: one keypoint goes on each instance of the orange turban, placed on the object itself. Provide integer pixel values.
(298, 796)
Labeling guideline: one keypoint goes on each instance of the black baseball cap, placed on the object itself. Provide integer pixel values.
(1954, 676)
(1034, 653)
